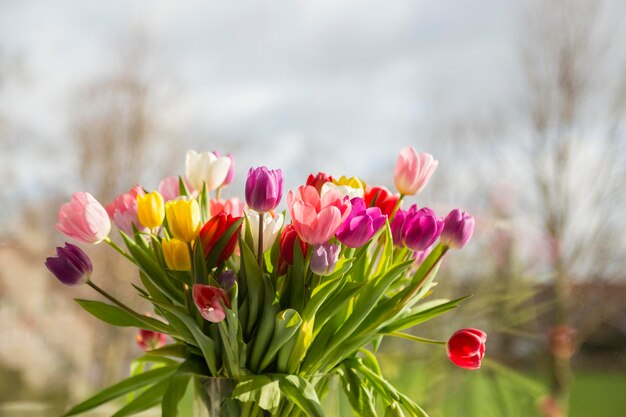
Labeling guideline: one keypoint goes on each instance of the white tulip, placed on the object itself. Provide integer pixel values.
(344, 190)
(206, 168)
(271, 228)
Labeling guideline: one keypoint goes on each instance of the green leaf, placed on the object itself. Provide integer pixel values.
(116, 316)
(124, 387)
(182, 187)
(361, 399)
(255, 289)
(175, 391)
(286, 324)
(262, 389)
(200, 273)
(147, 399)
(422, 316)
(299, 391)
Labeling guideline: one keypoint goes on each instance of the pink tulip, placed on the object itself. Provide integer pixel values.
(84, 219)
(123, 210)
(315, 218)
(169, 187)
(210, 302)
(413, 170)
(233, 206)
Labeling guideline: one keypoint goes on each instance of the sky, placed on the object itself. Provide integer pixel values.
(306, 85)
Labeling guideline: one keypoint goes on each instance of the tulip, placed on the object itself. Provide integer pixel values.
(382, 198)
(232, 206)
(344, 190)
(183, 219)
(421, 229)
(206, 168)
(71, 266)
(287, 243)
(413, 171)
(83, 218)
(123, 210)
(176, 254)
(213, 230)
(227, 279)
(466, 348)
(353, 182)
(271, 228)
(458, 229)
(324, 258)
(149, 340)
(317, 219)
(398, 223)
(150, 209)
(231, 170)
(264, 188)
(361, 224)
(210, 301)
(318, 180)
(169, 187)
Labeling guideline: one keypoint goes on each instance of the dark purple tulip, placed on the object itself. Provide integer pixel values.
(324, 258)
(458, 229)
(421, 229)
(361, 224)
(71, 266)
(264, 188)
(227, 280)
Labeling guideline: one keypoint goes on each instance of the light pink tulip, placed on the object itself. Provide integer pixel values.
(169, 188)
(317, 219)
(84, 219)
(233, 206)
(413, 170)
(123, 210)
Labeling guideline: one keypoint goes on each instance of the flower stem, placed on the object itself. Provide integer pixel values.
(260, 241)
(416, 338)
(117, 248)
(112, 299)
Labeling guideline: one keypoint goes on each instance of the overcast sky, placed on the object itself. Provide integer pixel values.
(347, 82)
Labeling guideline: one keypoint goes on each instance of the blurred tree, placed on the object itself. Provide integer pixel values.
(574, 103)
(123, 131)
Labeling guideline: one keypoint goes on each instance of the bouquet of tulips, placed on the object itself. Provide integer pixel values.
(276, 308)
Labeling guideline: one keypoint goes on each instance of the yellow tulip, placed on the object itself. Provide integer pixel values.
(150, 209)
(353, 182)
(183, 219)
(176, 254)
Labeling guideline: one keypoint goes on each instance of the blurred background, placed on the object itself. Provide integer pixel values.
(523, 103)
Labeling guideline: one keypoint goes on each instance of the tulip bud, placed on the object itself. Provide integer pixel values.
(361, 225)
(210, 302)
(264, 188)
(324, 258)
(421, 229)
(413, 171)
(150, 209)
(271, 228)
(232, 206)
(287, 242)
(71, 266)
(466, 348)
(150, 340)
(83, 218)
(344, 190)
(213, 230)
(183, 219)
(227, 279)
(231, 170)
(318, 180)
(176, 254)
(206, 168)
(458, 229)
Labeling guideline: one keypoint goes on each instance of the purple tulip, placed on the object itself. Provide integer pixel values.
(324, 258)
(227, 279)
(421, 229)
(361, 224)
(397, 224)
(71, 266)
(264, 188)
(458, 229)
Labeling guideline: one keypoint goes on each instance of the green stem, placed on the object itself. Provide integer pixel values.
(415, 338)
(260, 241)
(112, 299)
(117, 248)
(396, 208)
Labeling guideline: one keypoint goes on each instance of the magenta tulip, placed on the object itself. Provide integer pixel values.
(421, 230)
(458, 229)
(361, 225)
(264, 188)
(84, 219)
(466, 348)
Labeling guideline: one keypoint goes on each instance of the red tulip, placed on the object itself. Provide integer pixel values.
(213, 230)
(287, 242)
(210, 302)
(148, 339)
(466, 348)
(318, 180)
(382, 198)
